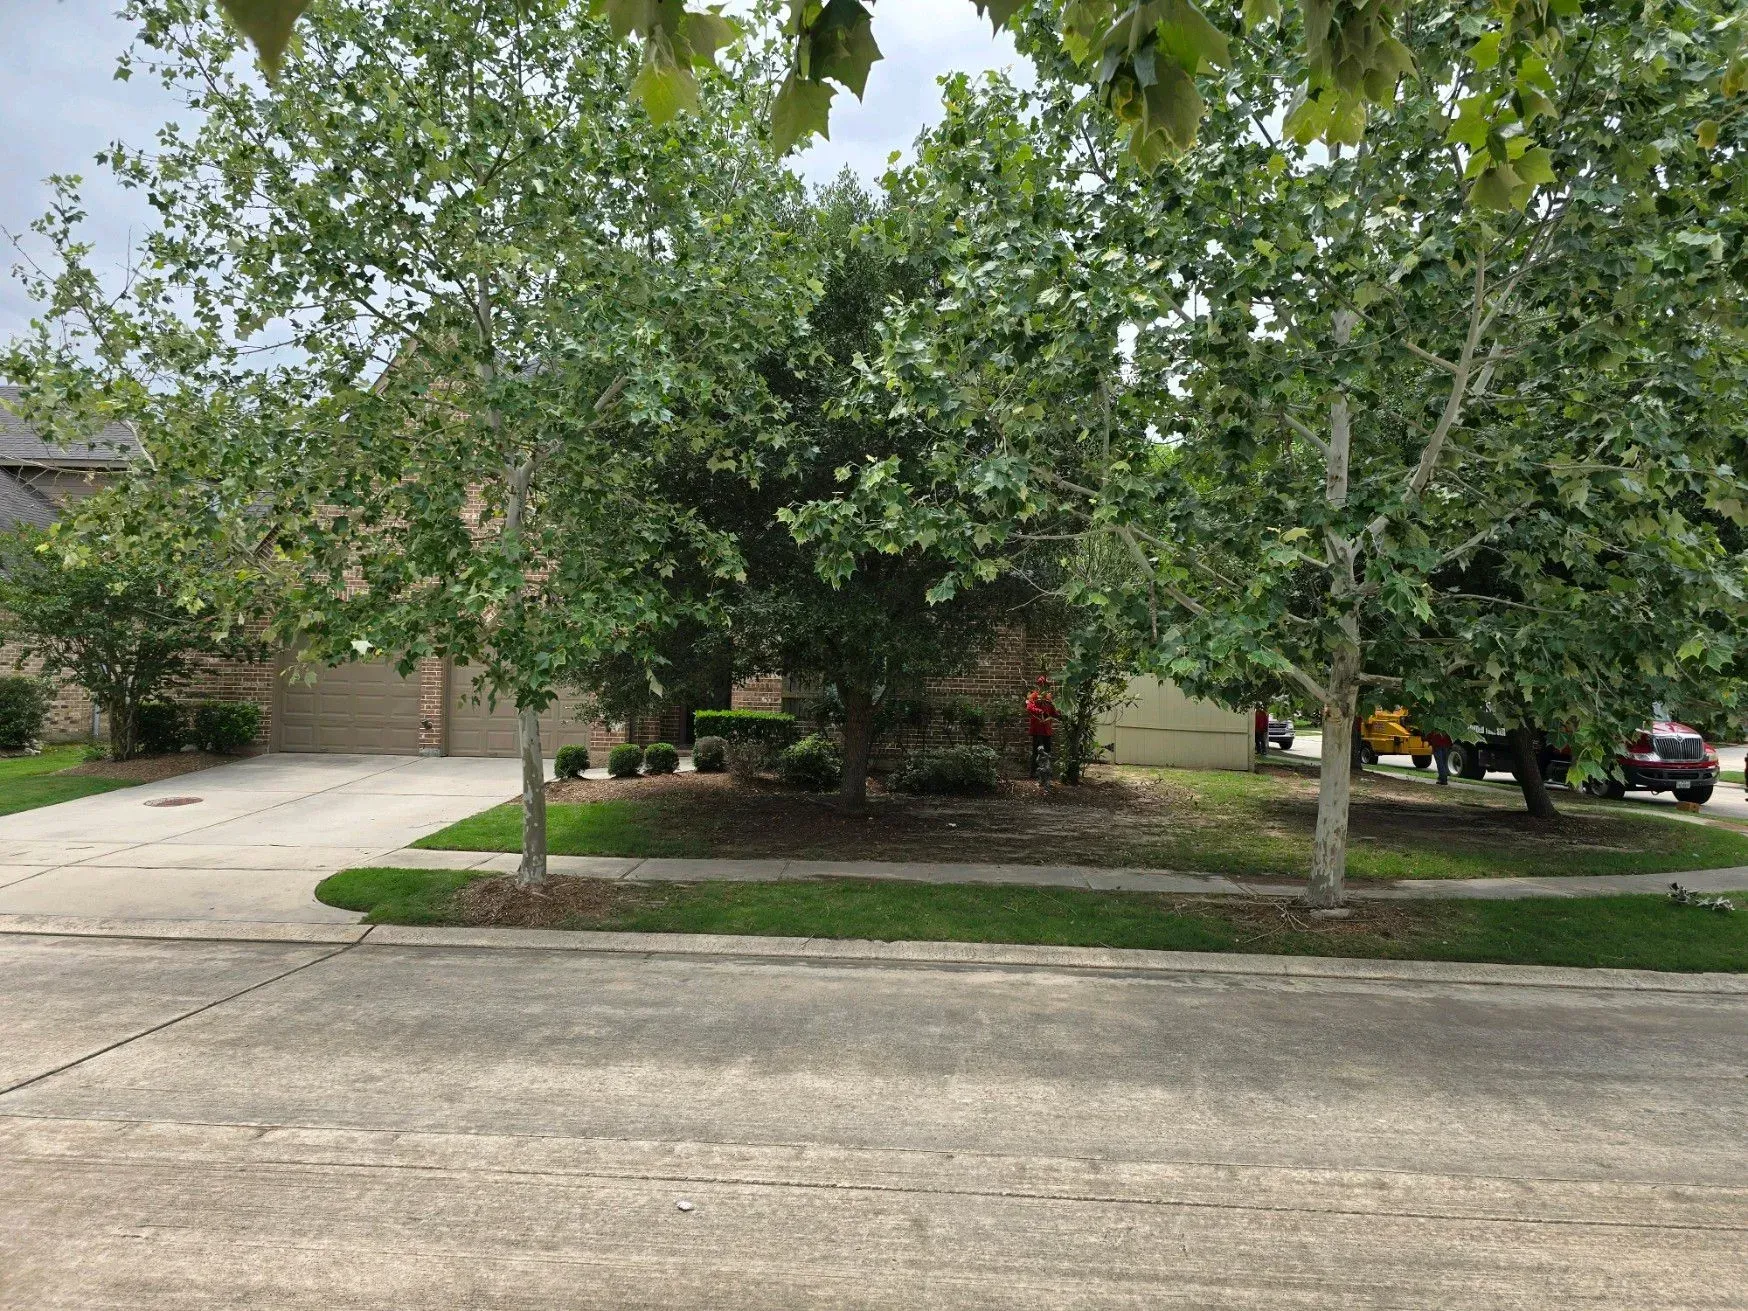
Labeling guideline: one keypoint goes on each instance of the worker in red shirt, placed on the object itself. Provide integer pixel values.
(1262, 731)
(1041, 714)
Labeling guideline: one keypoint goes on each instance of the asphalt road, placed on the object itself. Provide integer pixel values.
(198, 1124)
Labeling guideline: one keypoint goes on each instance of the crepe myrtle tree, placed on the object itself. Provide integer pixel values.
(482, 279)
(1326, 351)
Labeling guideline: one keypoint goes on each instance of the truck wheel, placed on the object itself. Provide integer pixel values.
(1466, 761)
(1367, 755)
(1422, 762)
(1609, 789)
(1699, 796)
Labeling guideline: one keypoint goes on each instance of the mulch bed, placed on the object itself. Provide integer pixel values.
(502, 903)
(149, 769)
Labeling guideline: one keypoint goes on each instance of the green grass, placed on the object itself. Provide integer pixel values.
(27, 782)
(1637, 932)
(1212, 821)
(595, 828)
(1729, 776)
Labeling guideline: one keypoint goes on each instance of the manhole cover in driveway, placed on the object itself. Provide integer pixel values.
(176, 801)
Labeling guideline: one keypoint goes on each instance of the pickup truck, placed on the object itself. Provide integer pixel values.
(1666, 757)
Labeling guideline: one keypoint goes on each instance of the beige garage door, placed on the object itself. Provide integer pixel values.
(364, 706)
(478, 730)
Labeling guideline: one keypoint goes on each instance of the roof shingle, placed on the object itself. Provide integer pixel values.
(21, 504)
(20, 444)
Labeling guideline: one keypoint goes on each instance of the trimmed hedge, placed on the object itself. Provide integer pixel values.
(571, 761)
(814, 763)
(768, 728)
(710, 755)
(660, 758)
(624, 760)
(954, 771)
(24, 709)
(163, 727)
(224, 726)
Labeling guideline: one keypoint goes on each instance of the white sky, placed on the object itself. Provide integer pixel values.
(59, 105)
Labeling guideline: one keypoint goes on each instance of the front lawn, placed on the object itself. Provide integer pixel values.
(1636, 932)
(1206, 821)
(27, 782)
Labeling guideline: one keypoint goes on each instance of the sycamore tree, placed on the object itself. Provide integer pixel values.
(1146, 61)
(1331, 353)
(502, 296)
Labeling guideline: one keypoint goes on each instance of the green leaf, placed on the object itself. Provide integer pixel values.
(1258, 12)
(1484, 54)
(1707, 134)
(802, 109)
(627, 16)
(1000, 12)
(1536, 166)
(846, 53)
(1497, 188)
(1190, 39)
(706, 33)
(665, 89)
(267, 24)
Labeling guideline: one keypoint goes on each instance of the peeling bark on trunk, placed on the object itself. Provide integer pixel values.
(858, 745)
(1328, 885)
(124, 730)
(1529, 772)
(531, 872)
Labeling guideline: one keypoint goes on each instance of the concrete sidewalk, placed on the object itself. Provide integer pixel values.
(633, 870)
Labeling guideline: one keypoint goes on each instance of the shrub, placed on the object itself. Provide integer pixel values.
(661, 758)
(24, 707)
(957, 771)
(224, 726)
(624, 760)
(163, 727)
(571, 761)
(769, 728)
(710, 755)
(814, 763)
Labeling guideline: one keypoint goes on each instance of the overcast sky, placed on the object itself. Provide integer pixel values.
(59, 105)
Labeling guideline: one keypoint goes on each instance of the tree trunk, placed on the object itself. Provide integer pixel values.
(1356, 744)
(124, 729)
(1328, 885)
(858, 745)
(531, 873)
(1529, 772)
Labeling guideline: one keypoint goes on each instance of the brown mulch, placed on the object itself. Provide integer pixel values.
(149, 769)
(640, 788)
(501, 902)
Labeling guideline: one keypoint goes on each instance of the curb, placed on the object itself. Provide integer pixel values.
(853, 950)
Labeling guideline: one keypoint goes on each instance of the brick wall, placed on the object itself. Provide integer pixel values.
(69, 714)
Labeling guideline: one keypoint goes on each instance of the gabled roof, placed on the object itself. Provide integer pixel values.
(112, 448)
(22, 504)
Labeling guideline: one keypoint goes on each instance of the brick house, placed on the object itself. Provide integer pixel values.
(38, 479)
(367, 707)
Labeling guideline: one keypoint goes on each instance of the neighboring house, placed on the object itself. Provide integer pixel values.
(1158, 725)
(38, 479)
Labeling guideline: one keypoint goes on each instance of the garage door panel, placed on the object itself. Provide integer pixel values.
(484, 730)
(365, 707)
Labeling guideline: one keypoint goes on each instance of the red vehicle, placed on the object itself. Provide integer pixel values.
(1667, 757)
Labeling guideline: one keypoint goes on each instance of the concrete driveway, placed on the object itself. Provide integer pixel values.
(263, 832)
(195, 1124)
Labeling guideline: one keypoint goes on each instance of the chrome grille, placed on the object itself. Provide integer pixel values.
(1679, 746)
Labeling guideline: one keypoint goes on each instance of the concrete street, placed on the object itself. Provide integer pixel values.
(196, 1124)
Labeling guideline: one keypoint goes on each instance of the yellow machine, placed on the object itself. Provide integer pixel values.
(1386, 733)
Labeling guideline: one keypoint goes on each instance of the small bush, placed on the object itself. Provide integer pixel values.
(163, 727)
(770, 728)
(624, 760)
(953, 771)
(747, 760)
(24, 708)
(224, 726)
(571, 761)
(660, 758)
(95, 753)
(814, 763)
(710, 755)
